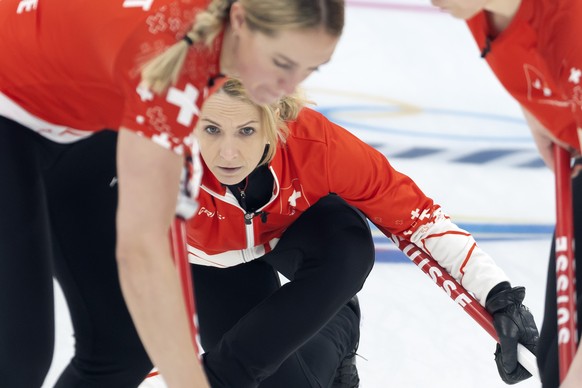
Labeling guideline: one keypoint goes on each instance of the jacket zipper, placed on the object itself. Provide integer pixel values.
(248, 216)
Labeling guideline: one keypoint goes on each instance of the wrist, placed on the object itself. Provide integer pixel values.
(503, 286)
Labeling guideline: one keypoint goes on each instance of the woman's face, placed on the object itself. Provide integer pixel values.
(231, 137)
(462, 9)
(271, 67)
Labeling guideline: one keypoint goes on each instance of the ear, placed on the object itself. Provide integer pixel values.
(237, 16)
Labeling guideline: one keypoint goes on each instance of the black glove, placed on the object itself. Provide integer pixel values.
(514, 323)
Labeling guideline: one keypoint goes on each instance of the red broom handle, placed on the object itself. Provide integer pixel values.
(179, 252)
(565, 270)
(180, 256)
(462, 297)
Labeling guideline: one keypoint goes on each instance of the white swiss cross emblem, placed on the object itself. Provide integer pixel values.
(575, 76)
(186, 101)
(421, 216)
(293, 198)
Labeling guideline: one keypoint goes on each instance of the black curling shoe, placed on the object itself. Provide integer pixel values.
(347, 373)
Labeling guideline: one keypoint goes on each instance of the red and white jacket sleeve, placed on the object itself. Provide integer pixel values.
(391, 200)
(457, 251)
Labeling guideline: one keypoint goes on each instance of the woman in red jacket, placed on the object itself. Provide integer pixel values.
(142, 68)
(534, 51)
(286, 190)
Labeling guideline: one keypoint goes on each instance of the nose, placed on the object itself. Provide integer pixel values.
(228, 150)
(288, 83)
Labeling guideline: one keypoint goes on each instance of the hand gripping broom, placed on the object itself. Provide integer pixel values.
(462, 297)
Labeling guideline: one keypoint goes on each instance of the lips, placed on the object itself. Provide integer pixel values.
(229, 170)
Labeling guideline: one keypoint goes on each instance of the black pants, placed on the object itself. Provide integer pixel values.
(256, 332)
(57, 218)
(547, 351)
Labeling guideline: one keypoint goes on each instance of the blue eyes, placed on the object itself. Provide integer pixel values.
(213, 130)
(247, 131)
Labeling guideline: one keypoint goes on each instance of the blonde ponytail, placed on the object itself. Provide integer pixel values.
(290, 106)
(165, 68)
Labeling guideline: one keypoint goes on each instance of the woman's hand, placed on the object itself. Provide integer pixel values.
(514, 324)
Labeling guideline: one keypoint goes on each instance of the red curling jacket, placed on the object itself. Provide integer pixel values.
(538, 59)
(319, 158)
(70, 68)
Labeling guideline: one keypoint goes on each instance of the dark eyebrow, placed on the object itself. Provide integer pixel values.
(247, 123)
(218, 125)
(210, 121)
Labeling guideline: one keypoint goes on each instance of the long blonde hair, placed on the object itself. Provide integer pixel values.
(274, 116)
(265, 16)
